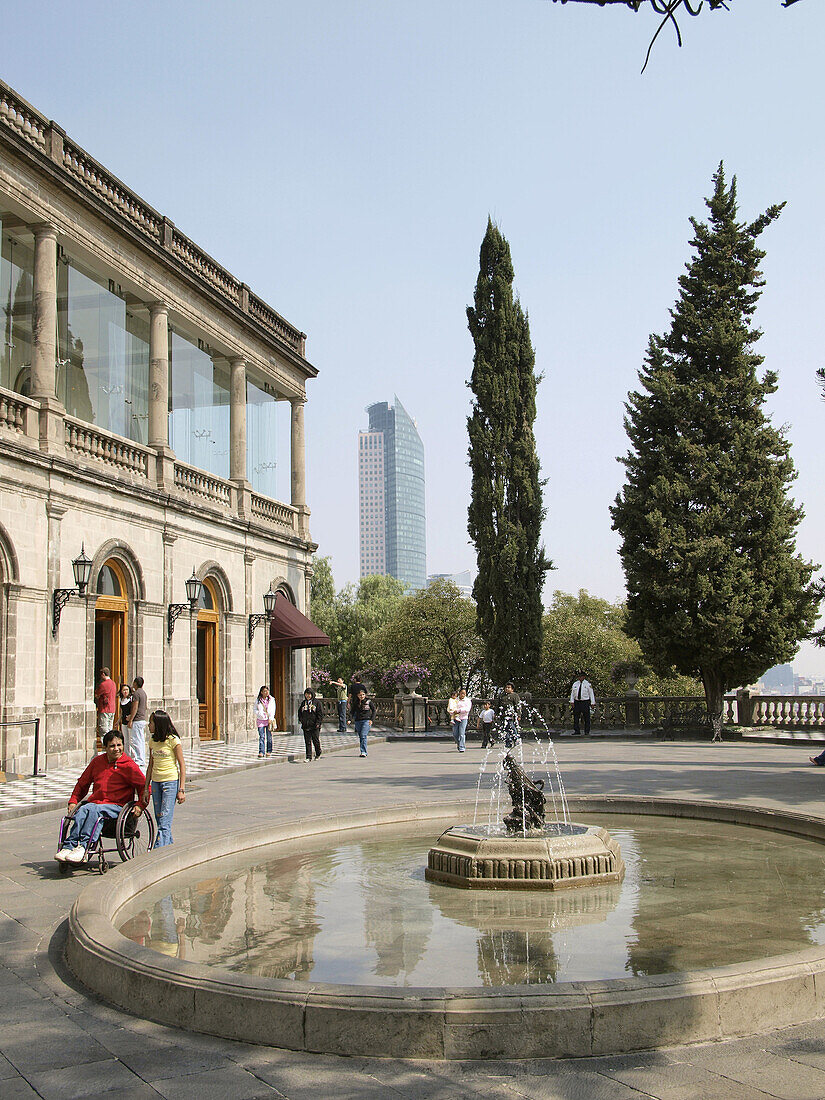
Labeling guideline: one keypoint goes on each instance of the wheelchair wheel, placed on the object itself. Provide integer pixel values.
(134, 835)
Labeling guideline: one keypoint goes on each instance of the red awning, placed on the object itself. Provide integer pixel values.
(290, 629)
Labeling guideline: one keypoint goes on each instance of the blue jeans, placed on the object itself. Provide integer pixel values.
(459, 729)
(163, 800)
(84, 821)
(264, 739)
(362, 728)
(342, 716)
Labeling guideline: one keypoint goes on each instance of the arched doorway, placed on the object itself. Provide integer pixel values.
(280, 669)
(207, 662)
(111, 617)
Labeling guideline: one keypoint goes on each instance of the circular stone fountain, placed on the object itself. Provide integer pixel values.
(551, 1018)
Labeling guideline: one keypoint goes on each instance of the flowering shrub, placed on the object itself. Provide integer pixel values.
(402, 671)
(320, 676)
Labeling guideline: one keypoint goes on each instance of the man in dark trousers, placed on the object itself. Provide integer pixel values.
(582, 698)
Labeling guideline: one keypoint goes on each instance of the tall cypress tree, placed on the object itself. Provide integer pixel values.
(714, 584)
(506, 511)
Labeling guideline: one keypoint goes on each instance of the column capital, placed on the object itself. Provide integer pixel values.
(43, 230)
(169, 537)
(56, 510)
(298, 400)
(156, 307)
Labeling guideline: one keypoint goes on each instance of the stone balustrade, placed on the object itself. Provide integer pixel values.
(92, 175)
(23, 119)
(17, 413)
(272, 511)
(201, 484)
(88, 441)
(788, 711)
(654, 712)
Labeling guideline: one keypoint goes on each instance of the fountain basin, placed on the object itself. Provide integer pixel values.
(558, 1020)
(558, 856)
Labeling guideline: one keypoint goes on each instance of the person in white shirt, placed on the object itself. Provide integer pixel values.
(485, 724)
(265, 720)
(463, 706)
(582, 698)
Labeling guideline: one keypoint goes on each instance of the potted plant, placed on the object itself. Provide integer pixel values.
(319, 678)
(630, 671)
(408, 673)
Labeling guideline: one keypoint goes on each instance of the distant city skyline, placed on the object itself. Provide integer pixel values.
(391, 495)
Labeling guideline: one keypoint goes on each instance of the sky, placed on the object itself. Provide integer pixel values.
(342, 158)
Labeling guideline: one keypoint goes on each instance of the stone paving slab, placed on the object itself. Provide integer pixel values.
(22, 795)
(78, 1044)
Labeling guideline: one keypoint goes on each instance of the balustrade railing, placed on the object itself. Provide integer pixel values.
(22, 118)
(200, 484)
(86, 170)
(272, 511)
(14, 411)
(788, 711)
(91, 442)
(655, 712)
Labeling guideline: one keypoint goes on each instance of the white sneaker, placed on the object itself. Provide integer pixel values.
(363, 754)
(60, 856)
(75, 855)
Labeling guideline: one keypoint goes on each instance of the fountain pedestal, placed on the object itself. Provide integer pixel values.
(558, 856)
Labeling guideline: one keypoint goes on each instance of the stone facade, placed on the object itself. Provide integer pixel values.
(67, 482)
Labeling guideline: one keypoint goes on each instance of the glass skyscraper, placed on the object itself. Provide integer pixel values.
(391, 496)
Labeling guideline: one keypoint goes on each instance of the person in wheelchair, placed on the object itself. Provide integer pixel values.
(116, 780)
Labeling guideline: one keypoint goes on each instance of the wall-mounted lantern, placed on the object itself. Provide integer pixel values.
(81, 568)
(193, 595)
(270, 598)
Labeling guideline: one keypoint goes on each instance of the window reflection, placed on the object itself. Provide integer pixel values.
(103, 352)
(198, 406)
(261, 436)
(16, 284)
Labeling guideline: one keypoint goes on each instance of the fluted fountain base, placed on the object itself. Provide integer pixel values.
(557, 857)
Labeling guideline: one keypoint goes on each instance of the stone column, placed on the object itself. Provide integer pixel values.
(237, 419)
(237, 434)
(298, 460)
(159, 393)
(44, 338)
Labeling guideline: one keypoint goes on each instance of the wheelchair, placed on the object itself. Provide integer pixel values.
(132, 835)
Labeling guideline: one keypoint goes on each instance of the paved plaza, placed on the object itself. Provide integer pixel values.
(58, 1042)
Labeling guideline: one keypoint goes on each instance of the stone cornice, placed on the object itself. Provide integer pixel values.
(45, 145)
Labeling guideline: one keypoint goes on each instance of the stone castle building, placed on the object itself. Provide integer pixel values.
(142, 392)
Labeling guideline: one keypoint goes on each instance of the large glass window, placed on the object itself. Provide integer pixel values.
(103, 352)
(198, 406)
(16, 283)
(267, 439)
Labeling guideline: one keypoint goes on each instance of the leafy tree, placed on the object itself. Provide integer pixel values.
(436, 627)
(585, 632)
(506, 511)
(350, 617)
(715, 587)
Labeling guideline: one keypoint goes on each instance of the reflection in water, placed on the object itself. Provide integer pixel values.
(695, 895)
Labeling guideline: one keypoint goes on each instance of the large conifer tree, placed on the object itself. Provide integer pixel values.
(505, 512)
(714, 584)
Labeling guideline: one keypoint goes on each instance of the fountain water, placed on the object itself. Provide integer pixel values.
(521, 850)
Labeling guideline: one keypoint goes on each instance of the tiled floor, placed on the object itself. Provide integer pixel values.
(20, 794)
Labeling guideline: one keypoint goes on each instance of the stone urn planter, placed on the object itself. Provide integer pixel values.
(412, 685)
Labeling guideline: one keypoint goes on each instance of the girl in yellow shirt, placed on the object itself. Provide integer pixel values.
(166, 773)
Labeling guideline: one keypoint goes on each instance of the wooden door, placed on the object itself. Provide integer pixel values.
(208, 725)
(278, 664)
